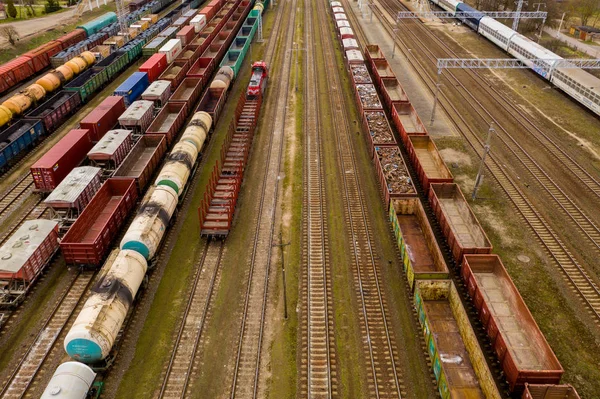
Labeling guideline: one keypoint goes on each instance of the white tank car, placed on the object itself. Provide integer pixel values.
(71, 380)
(197, 130)
(223, 78)
(260, 7)
(178, 167)
(150, 223)
(93, 333)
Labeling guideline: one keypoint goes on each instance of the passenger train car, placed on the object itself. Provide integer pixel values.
(579, 84)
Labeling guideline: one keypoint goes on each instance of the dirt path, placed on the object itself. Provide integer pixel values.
(38, 25)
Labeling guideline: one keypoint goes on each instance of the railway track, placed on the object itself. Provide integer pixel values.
(179, 371)
(573, 272)
(35, 210)
(317, 332)
(15, 195)
(32, 363)
(247, 367)
(379, 343)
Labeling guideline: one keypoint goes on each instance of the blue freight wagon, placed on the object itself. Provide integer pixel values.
(133, 87)
(17, 138)
(97, 24)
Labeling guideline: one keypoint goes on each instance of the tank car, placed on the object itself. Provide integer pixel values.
(223, 78)
(71, 380)
(95, 330)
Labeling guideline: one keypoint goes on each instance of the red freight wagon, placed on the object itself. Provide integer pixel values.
(428, 162)
(457, 221)
(72, 195)
(213, 101)
(57, 109)
(59, 161)
(360, 74)
(549, 392)
(407, 121)
(15, 71)
(41, 55)
(138, 116)
(190, 53)
(394, 178)
(381, 69)
(377, 130)
(187, 93)
(72, 38)
(112, 149)
(367, 98)
(154, 66)
(175, 73)
(392, 92)
(143, 159)
(104, 117)
(168, 121)
(89, 239)
(373, 52)
(28, 250)
(209, 12)
(521, 347)
(186, 35)
(202, 68)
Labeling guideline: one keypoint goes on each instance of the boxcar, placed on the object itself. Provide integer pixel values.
(158, 92)
(104, 117)
(458, 222)
(73, 194)
(138, 116)
(89, 239)
(111, 150)
(17, 138)
(421, 256)
(154, 66)
(521, 347)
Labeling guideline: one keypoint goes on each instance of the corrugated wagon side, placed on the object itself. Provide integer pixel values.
(168, 121)
(143, 160)
(89, 239)
(428, 162)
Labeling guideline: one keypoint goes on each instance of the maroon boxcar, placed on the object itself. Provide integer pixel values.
(457, 221)
(393, 175)
(521, 347)
(175, 73)
(59, 161)
(213, 101)
(427, 161)
(168, 121)
(57, 109)
(407, 121)
(186, 35)
(15, 71)
(143, 159)
(41, 55)
(549, 392)
(154, 66)
(89, 239)
(138, 116)
(104, 117)
(72, 38)
(187, 93)
(28, 250)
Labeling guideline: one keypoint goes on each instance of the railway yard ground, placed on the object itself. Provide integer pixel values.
(310, 292)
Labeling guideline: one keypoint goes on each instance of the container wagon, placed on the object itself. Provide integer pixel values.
(421, 256)
(457, 221)
(90, 238)
(132, 88)
(154, 66)
(50, 170)
(143, 160)
(458, 363)
(427, 161)
(521, 347)
(24, 255)
(104, 117)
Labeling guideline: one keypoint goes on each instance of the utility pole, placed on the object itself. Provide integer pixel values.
(560, 25)
(438, 83)
(486, 150)
(281, 245)
(543, 20)
(517, 16)
(394, 40)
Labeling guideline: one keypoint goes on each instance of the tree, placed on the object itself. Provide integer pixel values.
(585, 9)
(11, 10)
(51, 6)
(9, 33)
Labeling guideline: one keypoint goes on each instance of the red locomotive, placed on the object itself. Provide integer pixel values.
(258, 81)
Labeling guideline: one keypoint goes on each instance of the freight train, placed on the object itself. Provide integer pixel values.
(577, 83)
(529, 364)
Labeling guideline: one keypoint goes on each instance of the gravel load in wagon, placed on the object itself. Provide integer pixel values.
(143, 160)
(421, 256)
(175, 73)
(428, 162)
(89, 239)
(360, 74)
(458, 363)
(458, 222)
(168, 121)
(72, 195)
(28, 250)
(522, 349)
(112, 149)
(368, 97)
(138, 116)
(394, 178)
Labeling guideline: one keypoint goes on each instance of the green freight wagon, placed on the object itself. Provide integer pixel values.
(458, 363)
(87, 83)
(233, 59)
(113, 64)
(97, 24)
(155, 45)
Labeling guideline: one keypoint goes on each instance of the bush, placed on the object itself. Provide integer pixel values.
(11, 10)
(51, 6)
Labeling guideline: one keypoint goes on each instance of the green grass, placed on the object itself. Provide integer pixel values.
(154, 345)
